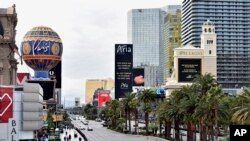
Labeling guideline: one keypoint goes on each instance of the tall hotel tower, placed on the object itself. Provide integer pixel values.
(232, 22)
(172, 36)
(145, 32)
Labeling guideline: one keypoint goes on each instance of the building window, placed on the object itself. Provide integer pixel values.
(209, 42)
(210, 52)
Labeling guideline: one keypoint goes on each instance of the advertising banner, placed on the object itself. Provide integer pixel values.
(123, 69)
(188, 68)
(6, 104)
(138, 76)
(22, 77)
(103, 99)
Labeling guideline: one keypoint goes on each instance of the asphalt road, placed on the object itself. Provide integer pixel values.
(101, 133)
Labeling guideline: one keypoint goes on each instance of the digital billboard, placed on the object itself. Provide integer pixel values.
(123, 69)
(6, 104)
(138, 76)
(103, 99)
(188, 68)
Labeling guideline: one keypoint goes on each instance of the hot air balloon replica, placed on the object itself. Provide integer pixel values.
(41, 49)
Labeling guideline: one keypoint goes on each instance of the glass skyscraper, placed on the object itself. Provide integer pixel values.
(145, 32)
(232, 21)
(172, 36)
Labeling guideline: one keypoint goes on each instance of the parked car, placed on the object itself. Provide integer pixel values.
(98, 120)
(90, 128)
(85, 122)
(81, 128)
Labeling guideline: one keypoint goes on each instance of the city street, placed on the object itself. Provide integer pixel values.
(101, 133)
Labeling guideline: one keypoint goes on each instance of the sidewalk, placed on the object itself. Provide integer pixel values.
(71, 132)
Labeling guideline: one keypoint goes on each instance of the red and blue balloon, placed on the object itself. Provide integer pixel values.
(41, 50)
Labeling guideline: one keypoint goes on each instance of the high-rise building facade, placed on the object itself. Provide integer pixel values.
(232, 22)
(8, 63)
(145, 32)
(172, 36)
(93, 84)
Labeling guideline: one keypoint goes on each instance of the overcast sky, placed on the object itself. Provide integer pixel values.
(88, 29)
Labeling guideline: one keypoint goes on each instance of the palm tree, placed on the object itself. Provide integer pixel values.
(114, 109)
(202, 84)
(215, 93)
(210, 109)
(226, 104)
(241, 113)
(86, 110)
(126, 104)
(188, 103)
(162, 116)
(134, 104)
(146, 97)
(175, 111)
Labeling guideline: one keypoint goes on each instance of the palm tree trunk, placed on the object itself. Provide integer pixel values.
(166, 133)
(160, 127)
(146, 122)
(126, 118)
(136, 120)
(201, 130)
(113, 122)
(177, 130)
(204, 133)
(209, 133)
(194, 132)
(216, 118)
(129, 121)
(212, 133)
(189, 131)
(168, 130)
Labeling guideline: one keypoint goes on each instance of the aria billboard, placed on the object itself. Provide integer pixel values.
(138, 77)
(188, 68)
(123, 69)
